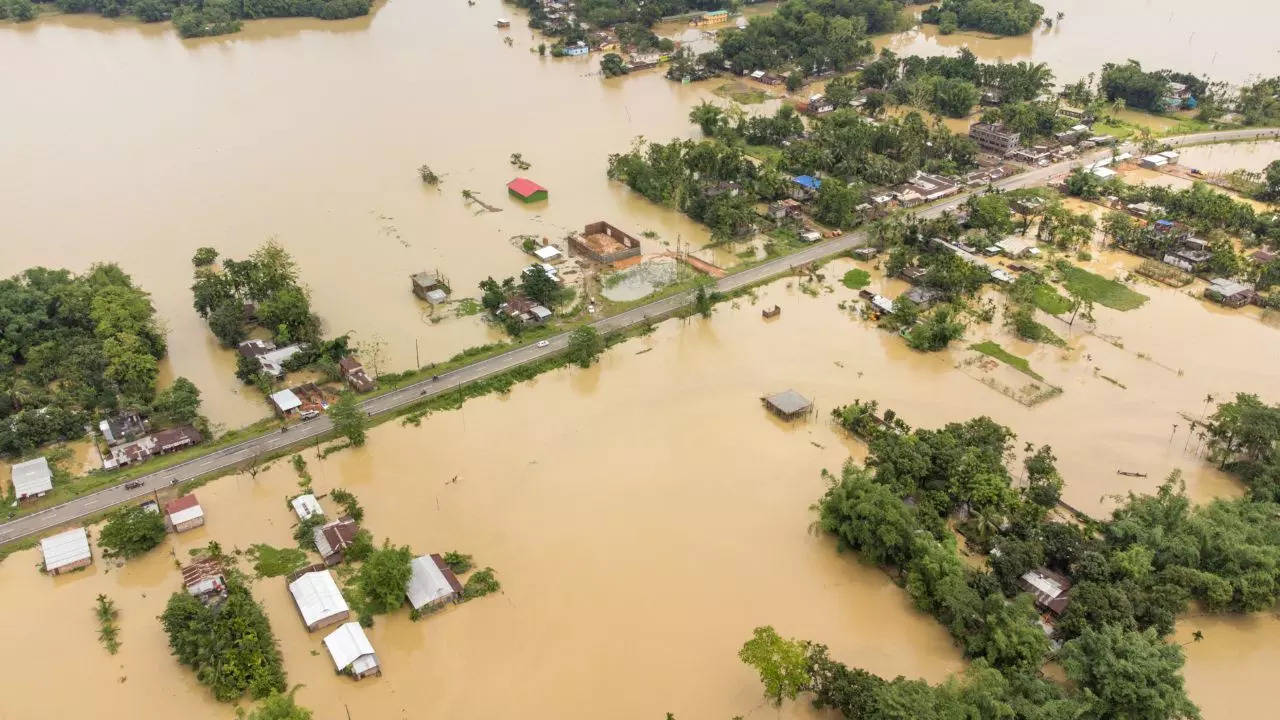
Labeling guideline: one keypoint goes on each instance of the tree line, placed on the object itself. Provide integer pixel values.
(263, 287)
(197, 18)
(1001, 17)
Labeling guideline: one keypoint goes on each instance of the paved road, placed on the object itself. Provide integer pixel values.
(246, 451)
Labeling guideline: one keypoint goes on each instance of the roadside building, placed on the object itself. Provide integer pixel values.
(785, 209)
(1050, 590)
(332, 539)
(1103, 173)
(353, 372)
(604, 243)
(183, 514)
(204, 580)
(713, 17)
(995, 138)
(66, 551)
(432, 584)
(1002, 276)
(1230, 292)
(913, 273)
(159, 443)
(527, 311)
(285, 403)
(1170, 156)
(306, 506)
(930, 187)
(810, 236)
(255, 347)
(31, 479)
(1016, 246)
(123, 427)
(804, 187)
(788, 404)
(526, 190)
(318, 599)
(351, 651)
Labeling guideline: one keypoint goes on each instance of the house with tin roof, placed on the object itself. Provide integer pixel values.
(318, 598)
(183, 514)
(351, 651)
(432, 584)
(31, 479)
(526, 190)
(66, 551)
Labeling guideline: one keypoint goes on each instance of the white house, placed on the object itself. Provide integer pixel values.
(66, 551)
(351, 651)
(31, 479)
(318, 599)
(432, 583)
(306, 506)
(548, 253)
(285, 402)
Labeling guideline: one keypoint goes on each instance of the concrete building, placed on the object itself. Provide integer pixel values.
(604, 243)
(430, 286)
(353, 372)
(183, 514)
(994, 137)
(285, 403)
(31, 479)
(548, 254)
(318, 599)
(351, 651)
(1154, 162)
(432, 584)
(66, 551)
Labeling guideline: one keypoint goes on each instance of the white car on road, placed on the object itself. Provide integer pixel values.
(543, 343)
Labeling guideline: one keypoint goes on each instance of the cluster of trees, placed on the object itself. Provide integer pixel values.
(844, 145)
(1002, 17)
(196, 18)
(808, 36)
(131, 531)
(1138, 88)
(951, 85)
(71, 346)
(267, 282)
(1243, 436)
(18, 10)
(1133, 574)
(230, 646)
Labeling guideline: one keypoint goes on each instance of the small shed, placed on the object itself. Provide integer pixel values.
(1229, 292)
(772, 312)
(526, 190)
(351, 651)
(333, 539)
(432, 584)
(285, 402)
(183, 514)
(31, 479)
(788, 404)
(306, 506)
(66, 551)
(923, 296)
(318, 599)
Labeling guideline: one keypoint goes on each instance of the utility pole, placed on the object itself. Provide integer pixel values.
(417, 362)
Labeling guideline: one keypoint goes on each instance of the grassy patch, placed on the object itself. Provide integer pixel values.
(467, 307)
(275, 562)
(856, 279)
(1048, 300)
(1099, 289)
(740, 93)
(764, 152)
(993, 349)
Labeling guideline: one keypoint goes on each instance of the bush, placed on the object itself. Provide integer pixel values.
(131, 531)
(481, 583)
(458, 562)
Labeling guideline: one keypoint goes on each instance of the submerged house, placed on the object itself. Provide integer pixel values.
(333, 539)
(31, 479)
(306, 505)
(1229, 292)
(318, 598)
(430, 286)
(1050, 589)
(204, 581)
(66, 551)
(183, 514)
(526, 190)
(432, 584)
(788, 404)
(351, 651)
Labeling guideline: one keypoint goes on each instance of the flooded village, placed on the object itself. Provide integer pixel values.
(584, 526)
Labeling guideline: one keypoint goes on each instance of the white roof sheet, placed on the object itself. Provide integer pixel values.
(547, 252)
(348, 644)
(306, 506)
(1044, 584)
(427, 584)
(1103, 172)
(186, 515)
(65, 548)
(286, 400)
(31, 477)
(317, 596)
(436, 296)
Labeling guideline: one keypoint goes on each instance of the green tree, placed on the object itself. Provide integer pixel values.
(481, 583)
(783, 664)
(383, 576)
(204, 256)
(612, 65)
(131, 531)
(178, 404)
(990, 212)
(585, 345)
(279, 706)
(348, 419)
(226, 321)
(1128, 674)
(710, 118)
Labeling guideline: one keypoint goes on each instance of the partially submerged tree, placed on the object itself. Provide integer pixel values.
(783, 664)
(131, 531)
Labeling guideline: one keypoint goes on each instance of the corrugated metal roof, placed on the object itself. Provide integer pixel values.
(428, 583)
(789, 402)
(286, 400)
(347, 645)
(317, 596)
(31, 477)
(524, 186)
(65, 548)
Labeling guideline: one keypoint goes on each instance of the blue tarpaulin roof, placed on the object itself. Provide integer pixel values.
(808, 181)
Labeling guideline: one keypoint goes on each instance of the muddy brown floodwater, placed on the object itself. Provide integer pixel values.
(1227, 41)
(645, 514)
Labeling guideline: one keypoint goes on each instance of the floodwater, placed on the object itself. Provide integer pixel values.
(1252, 156)
(1228, 41)
(311, 132)
(636, 542)
(1229, 669)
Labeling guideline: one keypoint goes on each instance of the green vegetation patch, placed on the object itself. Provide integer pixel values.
(993, 349)
(275, 562)
(856, 279)
(740, 93)
(1094, 287)
(467, 307)
(1048, 300)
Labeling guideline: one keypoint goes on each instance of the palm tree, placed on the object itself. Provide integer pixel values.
(1208, 398)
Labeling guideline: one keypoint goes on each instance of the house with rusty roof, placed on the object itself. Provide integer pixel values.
(353, 372)
(205, 581)
(332, 539)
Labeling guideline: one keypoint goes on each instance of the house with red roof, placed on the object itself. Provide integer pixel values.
(526, 190)
(183, 514)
